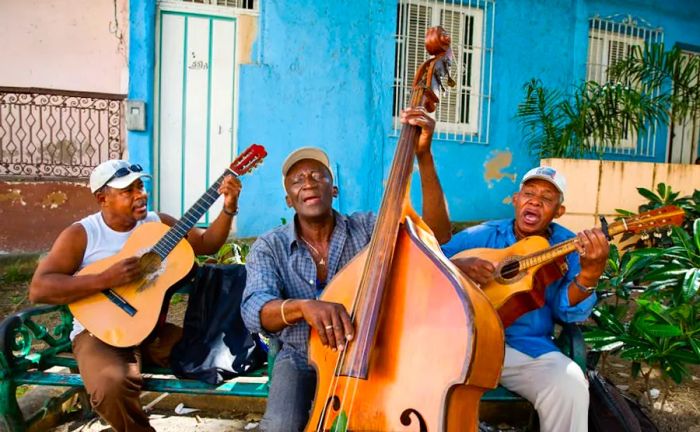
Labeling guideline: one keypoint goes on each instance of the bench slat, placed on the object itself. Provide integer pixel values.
(246, 386)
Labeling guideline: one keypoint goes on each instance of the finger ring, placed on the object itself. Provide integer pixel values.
(329, 327)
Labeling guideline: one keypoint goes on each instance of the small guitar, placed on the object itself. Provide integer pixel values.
(123, 316)
(524, 269)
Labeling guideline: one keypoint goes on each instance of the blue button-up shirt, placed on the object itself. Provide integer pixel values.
(279, 266)
(532, 332)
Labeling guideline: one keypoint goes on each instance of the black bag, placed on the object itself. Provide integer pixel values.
(611, 411)
(215, 344)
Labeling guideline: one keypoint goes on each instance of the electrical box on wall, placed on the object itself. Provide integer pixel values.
(135, 115)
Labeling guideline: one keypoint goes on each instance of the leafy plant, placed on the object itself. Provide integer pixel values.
(17, 272)
(233, 252)
(623, 271)
(651, 85)
(557, 124)
(663, 331)
(654, 70)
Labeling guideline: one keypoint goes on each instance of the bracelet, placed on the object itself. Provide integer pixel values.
(583, 288)
(284, 319)
(232, 214)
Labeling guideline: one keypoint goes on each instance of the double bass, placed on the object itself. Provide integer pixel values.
(427, 342)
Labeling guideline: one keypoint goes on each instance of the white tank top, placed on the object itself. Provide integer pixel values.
(103, 242)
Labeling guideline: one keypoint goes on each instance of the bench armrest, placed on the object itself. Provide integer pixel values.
(25, 340)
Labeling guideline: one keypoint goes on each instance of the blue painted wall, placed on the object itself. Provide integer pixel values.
(322, 75)
(321, 79)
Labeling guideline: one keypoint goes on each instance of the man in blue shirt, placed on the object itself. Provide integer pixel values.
(289, 266)
(533, 366)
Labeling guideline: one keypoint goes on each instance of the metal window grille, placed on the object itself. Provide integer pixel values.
(58, 134)
(464, 111)
(610, 40)
(240, 4)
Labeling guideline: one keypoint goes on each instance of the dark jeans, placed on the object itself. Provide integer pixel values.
(291, 393)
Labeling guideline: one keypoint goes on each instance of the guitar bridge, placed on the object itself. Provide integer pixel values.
(120, 302)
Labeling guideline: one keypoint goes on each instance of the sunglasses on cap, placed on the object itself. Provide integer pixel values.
(124, 171)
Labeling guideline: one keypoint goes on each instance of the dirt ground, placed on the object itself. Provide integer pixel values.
(680, 413)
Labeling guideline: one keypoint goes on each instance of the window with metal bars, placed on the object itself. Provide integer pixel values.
(610, 40)
(459, 113)
(241, 4)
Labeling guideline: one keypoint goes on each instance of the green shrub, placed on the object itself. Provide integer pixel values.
(659, 326)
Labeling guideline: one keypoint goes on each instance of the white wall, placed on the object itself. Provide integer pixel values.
(596, 188)
(65, 44)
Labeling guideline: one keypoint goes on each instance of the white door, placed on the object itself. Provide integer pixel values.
(195, 119)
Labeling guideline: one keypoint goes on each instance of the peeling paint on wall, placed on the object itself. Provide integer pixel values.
(54, 200)
(493, 168)
(13, 196)
(248, 33)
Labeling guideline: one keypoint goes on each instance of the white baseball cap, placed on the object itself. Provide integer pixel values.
(547, 174)
(115, 173)
(314, 153)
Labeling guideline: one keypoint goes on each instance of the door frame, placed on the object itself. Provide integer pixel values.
(173, 7)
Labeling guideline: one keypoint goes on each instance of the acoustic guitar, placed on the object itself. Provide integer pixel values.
(125, 315)
(524, 269)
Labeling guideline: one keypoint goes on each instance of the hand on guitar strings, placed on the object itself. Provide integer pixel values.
(418, 116)
(593, 249)
(478, 270)
(231, 189)
(330, 320)
(121, 273)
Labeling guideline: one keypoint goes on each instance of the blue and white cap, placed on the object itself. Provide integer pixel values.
(548, 174)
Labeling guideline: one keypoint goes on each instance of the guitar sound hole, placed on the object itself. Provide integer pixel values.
(510, 270)
(149, 262)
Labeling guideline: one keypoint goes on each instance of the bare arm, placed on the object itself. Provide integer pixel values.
(434, 205)
(54, 281)
(205, 242)
(330, 320)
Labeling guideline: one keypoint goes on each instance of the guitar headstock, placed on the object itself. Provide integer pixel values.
(652, 220)
(248, 159)
(431, 74)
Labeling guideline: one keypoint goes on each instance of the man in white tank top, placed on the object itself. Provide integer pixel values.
(112, 376)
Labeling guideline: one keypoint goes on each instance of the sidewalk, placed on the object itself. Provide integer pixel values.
(170, 422)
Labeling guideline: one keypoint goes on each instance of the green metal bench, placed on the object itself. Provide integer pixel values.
(28, 348)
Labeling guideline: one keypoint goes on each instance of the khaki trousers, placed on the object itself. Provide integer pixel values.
(554, 384)
(112, 376)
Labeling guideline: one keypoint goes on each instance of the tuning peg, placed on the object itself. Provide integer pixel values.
(644, 235)
(669, 231)
(657, 235)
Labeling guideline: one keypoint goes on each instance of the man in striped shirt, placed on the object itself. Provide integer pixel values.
(289, 266)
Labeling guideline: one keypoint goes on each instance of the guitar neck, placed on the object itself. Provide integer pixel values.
(547, 255)
(166, 244)
(564, 248)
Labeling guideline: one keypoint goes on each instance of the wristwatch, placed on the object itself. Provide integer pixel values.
(583, 288)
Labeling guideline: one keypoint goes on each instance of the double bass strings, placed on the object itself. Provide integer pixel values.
(403, 166)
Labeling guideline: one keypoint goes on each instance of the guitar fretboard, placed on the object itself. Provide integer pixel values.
(166, 244)
(561, 249)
